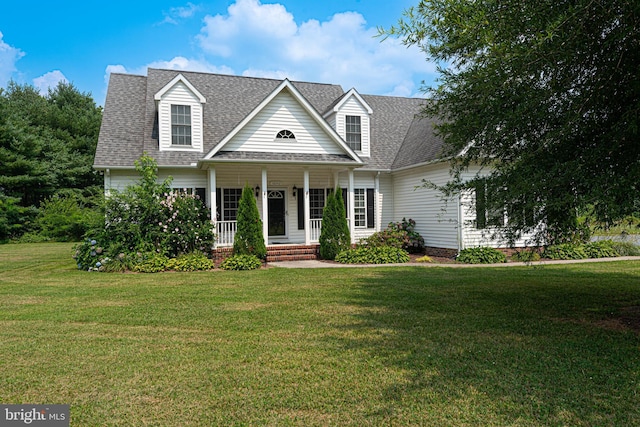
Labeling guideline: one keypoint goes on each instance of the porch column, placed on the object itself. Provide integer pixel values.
(307, 216)
(213, 203)
(378, 205)
(352, 211)
(265, 208)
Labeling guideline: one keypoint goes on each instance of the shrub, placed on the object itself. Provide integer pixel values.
(241, 262)
(334, 236)
(15, 220)
(414, 242)
(600, 249)
(186, 226)
(90, 255)
(565, 251)
(190, 262)
(249, 239)
(151, 263)
(625, 248)
(65, 218)
(389, 237)
(526, 256)
(373, 255)
(481, 255)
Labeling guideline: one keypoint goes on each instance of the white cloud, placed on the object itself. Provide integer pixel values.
(9, 55)
(264, 40)
(178, 13)
(49, 81)
(247, 22)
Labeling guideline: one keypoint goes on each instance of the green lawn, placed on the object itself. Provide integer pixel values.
(509, 346)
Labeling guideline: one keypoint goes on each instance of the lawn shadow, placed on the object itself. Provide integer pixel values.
(544, 346)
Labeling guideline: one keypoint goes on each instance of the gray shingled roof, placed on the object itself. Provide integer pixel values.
(129, 124)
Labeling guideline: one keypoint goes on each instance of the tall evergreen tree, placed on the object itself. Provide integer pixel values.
(249, 238)
(334, 236)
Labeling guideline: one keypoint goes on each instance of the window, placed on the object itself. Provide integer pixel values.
(285, 134)
(180, 125)
(353, 132)
(359, 207)
(199, 192)
(230, 199)
(485, 216)
(316, 202)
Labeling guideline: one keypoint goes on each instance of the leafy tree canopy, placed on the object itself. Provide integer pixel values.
(545, 94)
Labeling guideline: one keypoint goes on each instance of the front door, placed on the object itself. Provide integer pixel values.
(277, 213)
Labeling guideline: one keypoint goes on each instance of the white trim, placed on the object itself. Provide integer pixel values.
(352, 92)
(179, 78)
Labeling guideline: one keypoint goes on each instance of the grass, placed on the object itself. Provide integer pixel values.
(517, 346)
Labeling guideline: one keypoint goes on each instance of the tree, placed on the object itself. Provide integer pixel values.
(544, 95)
(249, 239)
(334, 236)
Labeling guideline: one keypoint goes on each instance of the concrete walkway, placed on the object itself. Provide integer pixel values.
(332, 264)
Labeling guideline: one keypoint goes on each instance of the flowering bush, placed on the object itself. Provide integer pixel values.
(147, 218)
(186, 226)
(90, 256)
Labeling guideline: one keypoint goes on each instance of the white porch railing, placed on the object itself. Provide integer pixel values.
(226, 232)
(315, 226)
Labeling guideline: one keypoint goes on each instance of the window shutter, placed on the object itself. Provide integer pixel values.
(202, 195)
(481, 211)
(371, 208)
(218, 203)
(300, 198)
(345, 199)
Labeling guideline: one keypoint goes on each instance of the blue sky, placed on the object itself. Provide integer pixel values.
(328, 41)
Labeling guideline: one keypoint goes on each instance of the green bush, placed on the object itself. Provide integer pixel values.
(241, 262)
(90, 255)
(152, 263)
(190, 262)
(249, 238)
(64, 218)
(600, 249)
(414, 242)
(389, 237)
(525, 256)
(565, 251)
(15, 220)
(481, 255)
(334, 236)
(625, 248)
(373, 255)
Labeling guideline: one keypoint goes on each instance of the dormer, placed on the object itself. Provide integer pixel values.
(351, 118)
(180, 124)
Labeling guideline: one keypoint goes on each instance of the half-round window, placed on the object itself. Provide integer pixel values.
(285, 134)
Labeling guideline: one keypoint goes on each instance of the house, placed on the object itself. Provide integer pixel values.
(293, 142)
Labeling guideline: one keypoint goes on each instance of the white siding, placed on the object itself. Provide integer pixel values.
(179, 94)
(471, 235)
(385, 206)
(352, 107)
(283, 112)
(436, 221)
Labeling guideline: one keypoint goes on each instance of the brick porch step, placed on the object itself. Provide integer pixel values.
(292, 253)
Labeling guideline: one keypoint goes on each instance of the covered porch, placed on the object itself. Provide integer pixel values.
(290, 199)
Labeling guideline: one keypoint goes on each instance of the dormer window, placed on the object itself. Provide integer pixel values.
(353, 132)
(285, 134)
(180, 125)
